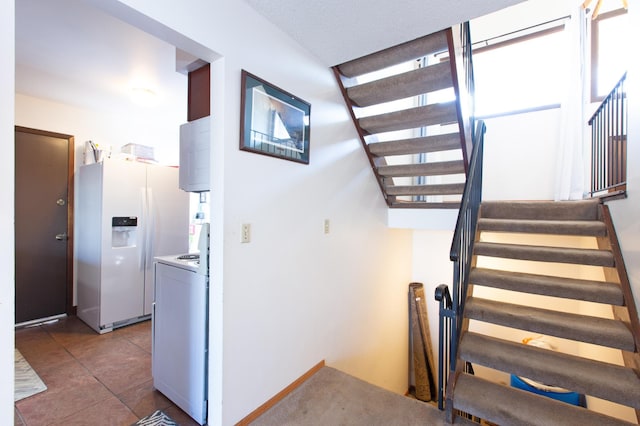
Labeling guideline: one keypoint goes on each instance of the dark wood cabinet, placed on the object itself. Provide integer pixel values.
(199, 104)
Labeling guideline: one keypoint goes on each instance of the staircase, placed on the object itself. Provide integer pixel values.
(495, 321)
(417, 145)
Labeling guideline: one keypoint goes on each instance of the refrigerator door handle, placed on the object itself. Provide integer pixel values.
(153, 333)
(151, 229)
(145, 230)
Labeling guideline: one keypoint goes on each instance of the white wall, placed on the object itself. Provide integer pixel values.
(116, 127)
(7, 276)
(520, 154)
(432, 267)
(293, 296)
(626, 212)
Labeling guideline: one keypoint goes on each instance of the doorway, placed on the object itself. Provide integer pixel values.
(44, 164)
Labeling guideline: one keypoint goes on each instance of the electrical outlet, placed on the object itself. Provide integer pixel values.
(246, 233)
(327, 226)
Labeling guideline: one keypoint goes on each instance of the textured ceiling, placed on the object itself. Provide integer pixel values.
(340, 30)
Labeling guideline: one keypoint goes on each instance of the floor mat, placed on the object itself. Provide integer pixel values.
(159, 418)
(27, 382)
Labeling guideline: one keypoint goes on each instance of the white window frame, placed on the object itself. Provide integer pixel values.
(595, 97)
(556, 26)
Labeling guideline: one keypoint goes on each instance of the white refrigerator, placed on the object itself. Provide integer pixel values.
(127, 213)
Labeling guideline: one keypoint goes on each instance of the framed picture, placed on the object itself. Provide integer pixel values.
(272, 121)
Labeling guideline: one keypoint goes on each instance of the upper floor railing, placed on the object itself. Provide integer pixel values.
(609, 143)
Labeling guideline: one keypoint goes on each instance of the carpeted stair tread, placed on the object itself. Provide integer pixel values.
(592, 228)
(569, 288)
(425, 205)
(423, 46)
(599, 331)
(435, 189)
(423, 169)
(545, 254)
(590, 377)
(410, 118)
(541, 210)
(509, 406)
(399, 86)
(435, 143)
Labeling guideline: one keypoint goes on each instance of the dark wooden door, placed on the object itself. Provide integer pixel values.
(43, 224)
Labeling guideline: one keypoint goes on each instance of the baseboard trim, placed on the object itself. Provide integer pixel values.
(280, 395)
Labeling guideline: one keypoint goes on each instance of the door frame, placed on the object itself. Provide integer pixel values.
(70, 308)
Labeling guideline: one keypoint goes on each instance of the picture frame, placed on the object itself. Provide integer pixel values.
(273, 122)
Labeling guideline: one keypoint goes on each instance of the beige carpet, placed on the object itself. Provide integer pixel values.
(331, 397)
(27, 382)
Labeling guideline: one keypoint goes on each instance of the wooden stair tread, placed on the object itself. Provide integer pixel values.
(410, 118)
(545, 254)
(509, 406)
(423, 46)
(570, 288)
(444, 142)
(435, 189)
(593, 228)
(599, 331)
(422, 169)
(399, 86)
(607, 381)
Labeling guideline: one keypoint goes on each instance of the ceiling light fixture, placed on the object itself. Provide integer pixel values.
(143, 96)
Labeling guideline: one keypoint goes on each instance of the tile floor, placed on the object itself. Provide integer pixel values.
(91, 379)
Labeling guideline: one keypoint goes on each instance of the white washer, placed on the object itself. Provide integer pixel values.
(180, 329)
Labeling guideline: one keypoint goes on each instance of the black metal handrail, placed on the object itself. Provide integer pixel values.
(609, 142)
(452, 307)
(461, 60)
(444, 331)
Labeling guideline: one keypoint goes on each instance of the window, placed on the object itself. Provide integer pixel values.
(520, 73)
(608, 52)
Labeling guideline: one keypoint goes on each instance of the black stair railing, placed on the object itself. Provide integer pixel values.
(461, 60)
(452, 304)
(609, 143)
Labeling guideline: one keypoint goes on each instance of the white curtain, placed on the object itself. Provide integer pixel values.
(570, 169)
